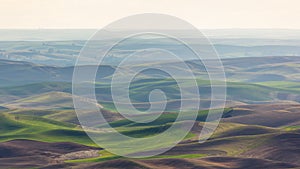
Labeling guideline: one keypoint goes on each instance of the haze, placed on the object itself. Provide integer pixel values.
(213, 14)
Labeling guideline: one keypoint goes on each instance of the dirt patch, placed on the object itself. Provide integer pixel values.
(27, 153)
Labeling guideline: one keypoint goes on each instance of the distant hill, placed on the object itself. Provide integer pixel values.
(20, 73)
(51, 100)
(237, 94)
(251, 69)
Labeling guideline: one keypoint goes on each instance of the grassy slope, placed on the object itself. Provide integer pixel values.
(41, 129)
(227, 141)
(15, 125)
(164, 119)
(284, 85)
(230, 138)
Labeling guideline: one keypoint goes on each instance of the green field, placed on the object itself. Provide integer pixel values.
(41, 129)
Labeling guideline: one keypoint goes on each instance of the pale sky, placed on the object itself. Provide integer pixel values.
(204, 14)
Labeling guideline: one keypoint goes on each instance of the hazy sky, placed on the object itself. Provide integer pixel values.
(213, 14)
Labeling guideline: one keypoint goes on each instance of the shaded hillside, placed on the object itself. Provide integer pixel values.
(3, 108)
(272, 115)
(280, 147)
(20, 73)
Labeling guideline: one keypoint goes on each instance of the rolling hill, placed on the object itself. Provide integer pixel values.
(235, 144)
(237, 93)
(27, 73)
(46, 101)
(272, 115)
(260, 128)
(247, 69)
(29, 127)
